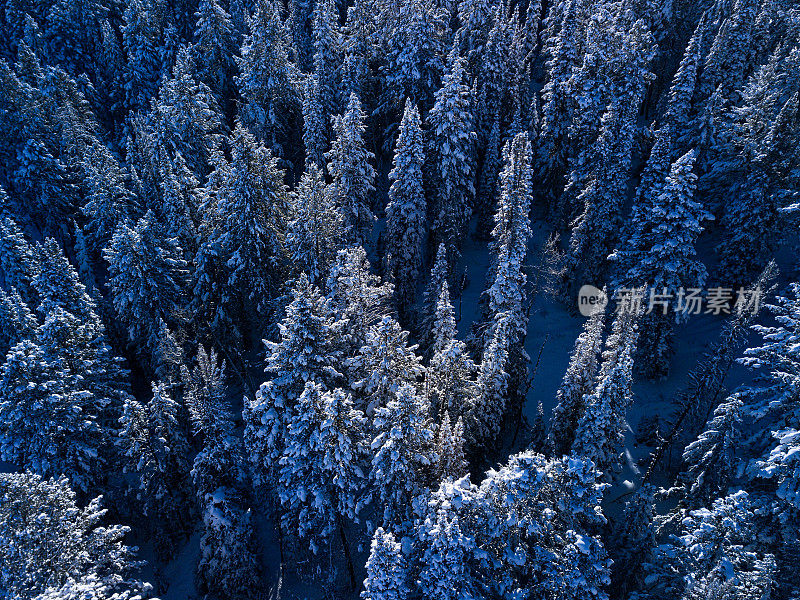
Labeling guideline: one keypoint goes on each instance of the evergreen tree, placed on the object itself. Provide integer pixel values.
(386, 569)
(308, 351)
(17, 321)
(50, 544)
(142, 39)
(17, 259)
(430, 302)
(148, 278)
(632, 541)
(356, 295)
(327, 51)
(264, 80)
(578, 382)
(450, 158)
(444, 326)
(215, 48)
(487, 182)
(449, 445)
(403, 455)
(315, 232)
(316, 136)
(349, 165)
(405, 212)
(156, 451)
(450, 380)
(383, 365)
(600, 434)
(242, 254)
(445, 572)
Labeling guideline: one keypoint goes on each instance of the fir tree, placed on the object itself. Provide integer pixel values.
(17, 321)
(316, 136)
(403, 455)
(450, 157)
(314, 234)
(578, 382)
(242, 253)
(445, 572)
(327, 50)
(430, 302)
(349, 165)
(386, 569)
(215, 48)
(51, 546)
(405, 212)
(449, 446)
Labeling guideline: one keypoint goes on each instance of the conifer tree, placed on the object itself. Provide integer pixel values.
(316, 135)
(445, 571)
(17, 259)
(149, 279)
(600, 434)
(327, 54)
(430, 303)
(451, 158)
(403, 457)
(142, 37)
(315, 232)
(242, 254)
(383, 365)
(308, 351)
(405, 212)
(17, 321)
(215, 48)
(633, 540)
(52, 548)
(578, 382)
(264, 80)
(156, 451)
(386, 569)
(350, 167)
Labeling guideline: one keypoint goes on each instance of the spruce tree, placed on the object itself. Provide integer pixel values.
(438, 278)
(446, 573)
(405, 212)
(215, 48)
(386, 569)
(17, 321)
(327, 54)
(316, 135)
(350, 167)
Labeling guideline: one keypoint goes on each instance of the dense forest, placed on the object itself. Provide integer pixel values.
(284, 284)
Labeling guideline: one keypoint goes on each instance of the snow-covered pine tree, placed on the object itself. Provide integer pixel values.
(52, 548)
(350, 167)
(142, 39)
(149, 281)
(308, 351)
(322, 477)
(18, 263)
(444, 328)
(600, 434)
(449, 446)
(403, 460)
(156, 451)
(406, 210)
(17, 321)
(383, 365)
(632, 541)
(439, 277)
(486, 416)
(241, 256)
(451, 159)
(446, 572)
(357, 296)
(214, 49)
(577, 383)
(487, 182)
(450, 379)
(264, 80)
(387, 576)
(327, 54)
(661, 255)
(315, 232)
(710, 458)
(316, 135)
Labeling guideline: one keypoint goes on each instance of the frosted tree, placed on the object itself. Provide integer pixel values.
(385, 363)
(314, 234)
(327, 54)
(450, 379)
(17, 259)
(415, 44)
(403, 455)
(321, 471)
(49, 544)
(444, 328)
(157, 453)
(316, 136)
(450, 447)
(438, 278)
(661, 255)
(450, 157)
(142, 37)
(487, 182)
(357, 295)
(446, 573)
(264, 80)
(632, 541)
(241, 256)
(386, 569)
(405, 212)
(215, 48)
(350, 167)
(485, 418)
(17, 321)
(149, 279)
(600, 435)
(710, 458)
(308, 351)
(577, 383)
